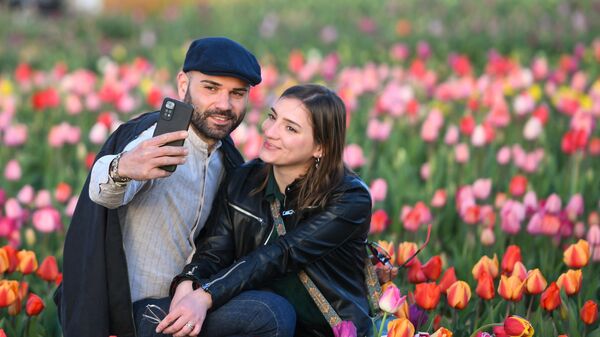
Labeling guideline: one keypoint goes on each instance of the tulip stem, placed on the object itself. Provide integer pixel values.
(484, 327)
(529, 307)
(382, 323)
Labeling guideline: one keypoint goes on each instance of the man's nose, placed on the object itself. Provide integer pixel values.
(223, 101)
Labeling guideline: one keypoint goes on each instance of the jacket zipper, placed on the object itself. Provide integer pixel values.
(207, 285)
(241, 210)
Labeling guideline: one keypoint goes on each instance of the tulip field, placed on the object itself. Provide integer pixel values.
(478, 136)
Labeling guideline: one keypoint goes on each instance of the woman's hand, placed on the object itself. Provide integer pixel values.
(187, 315)
(183, 289)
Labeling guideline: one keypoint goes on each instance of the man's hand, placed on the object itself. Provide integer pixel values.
(385, 273)
(144, 161)
(187, 315)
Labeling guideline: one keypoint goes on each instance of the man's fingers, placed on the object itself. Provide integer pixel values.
(167, 137)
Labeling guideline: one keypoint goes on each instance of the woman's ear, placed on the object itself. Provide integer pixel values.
(318, 153)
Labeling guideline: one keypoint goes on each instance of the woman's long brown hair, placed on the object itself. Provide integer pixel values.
(327, 113)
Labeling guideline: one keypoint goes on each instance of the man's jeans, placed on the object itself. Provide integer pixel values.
(251, 313)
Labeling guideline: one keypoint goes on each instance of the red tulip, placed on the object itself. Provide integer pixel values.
(550, 299)
(433, 268)
(447, 279)
(518, 185)
(589, 312)
(379, 221)
(511, 256)
(427, 295)
(415, 272)
(34, 305)
(518, 326)
(48, 270)
(485, 287)
(520, 271)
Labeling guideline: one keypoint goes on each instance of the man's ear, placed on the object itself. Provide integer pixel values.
(182, 84)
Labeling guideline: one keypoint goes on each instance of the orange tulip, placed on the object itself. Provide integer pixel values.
(433, 268)
(577, 255)
(589, 312)
(9, 291)
(13, 261)
(34, 305)
(459, 294)
(22, 290)
(442, 332)
(389, 248)
(405, 251)
(550, 299)
(518, 326)
(447, 279)
(535, 282)
(487, 264)
(402, 311)
(511, 256)
(427, 295)
(570, 281)
(511, 288)
(27, 262)
(520, 271)
(4, 262)
(400, 327)
(48, 270)
(485, 287)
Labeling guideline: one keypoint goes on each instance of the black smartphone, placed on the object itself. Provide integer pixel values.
(174, 116)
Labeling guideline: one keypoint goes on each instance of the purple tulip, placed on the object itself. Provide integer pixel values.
(344, 329)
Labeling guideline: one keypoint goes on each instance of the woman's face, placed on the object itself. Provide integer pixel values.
(289, 143)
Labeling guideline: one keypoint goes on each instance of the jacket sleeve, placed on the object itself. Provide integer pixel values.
(345, 218)
(215, 247)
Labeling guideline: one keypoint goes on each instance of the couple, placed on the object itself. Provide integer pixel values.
(295, 209)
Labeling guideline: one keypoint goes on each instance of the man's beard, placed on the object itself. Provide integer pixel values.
(200, 120)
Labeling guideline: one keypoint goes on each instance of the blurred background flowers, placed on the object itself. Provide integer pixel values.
(478, 117)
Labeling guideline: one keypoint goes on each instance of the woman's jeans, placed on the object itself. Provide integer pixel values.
(251, 313)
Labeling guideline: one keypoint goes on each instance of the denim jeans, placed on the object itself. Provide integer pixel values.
(251, 313)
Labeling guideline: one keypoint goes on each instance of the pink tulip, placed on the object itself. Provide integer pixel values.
(70, 209)
(12, 171)
(253, 144)
(15, 135)
(13, 209)
(7, 226)
(478, 137)
(512, 213)
(353, 156)
(461, 153)
(399, 51)
(519, 155)
(530, 202)
(391, 299)
(593, 235)
(539, 68)
(92, 102)
(98, 133)
(439, 198)
(452, 135)
(535, 224)
(2, 197)
(43, 199)
(553, 204)
(425, 171)
(46, 220)
(378, 189)
(482, 188)
(579, 230)
(25, 195)
(523, 104)
(73, 104)
(503, 156)
(533, 129)
(574, 208)
(423, 50)
(126, 104)
(487, 236)
(377, 130)
(345, 329)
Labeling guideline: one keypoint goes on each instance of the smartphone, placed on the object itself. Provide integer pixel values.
(174, 116)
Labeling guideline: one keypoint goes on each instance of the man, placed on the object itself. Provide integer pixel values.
(135, 224)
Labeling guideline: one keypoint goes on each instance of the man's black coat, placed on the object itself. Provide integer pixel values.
(94, 298)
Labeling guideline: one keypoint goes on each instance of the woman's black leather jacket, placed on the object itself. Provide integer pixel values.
(328, 243)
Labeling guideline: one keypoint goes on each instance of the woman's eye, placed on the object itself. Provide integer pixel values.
(291, 129)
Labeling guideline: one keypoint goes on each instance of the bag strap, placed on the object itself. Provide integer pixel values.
(324, 306)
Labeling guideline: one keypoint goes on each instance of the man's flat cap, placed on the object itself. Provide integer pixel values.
(220, 56)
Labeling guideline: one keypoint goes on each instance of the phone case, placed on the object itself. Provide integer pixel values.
(174, 116)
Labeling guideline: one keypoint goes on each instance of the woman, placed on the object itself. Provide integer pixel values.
(326, 210)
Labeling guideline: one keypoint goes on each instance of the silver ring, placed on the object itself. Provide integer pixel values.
(190, 325)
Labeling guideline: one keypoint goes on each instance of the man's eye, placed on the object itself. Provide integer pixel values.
(238, 94)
